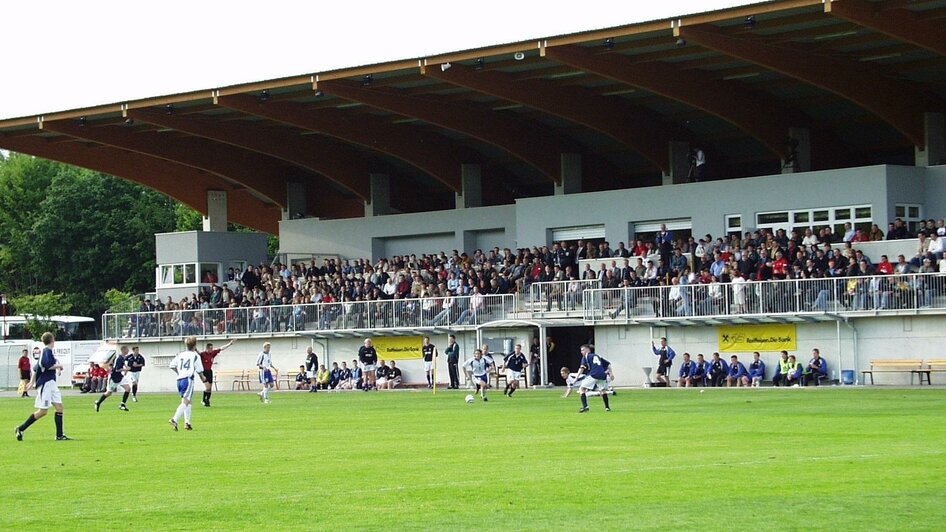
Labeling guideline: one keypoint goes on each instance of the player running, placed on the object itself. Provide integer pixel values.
(47, 391)
(186, 364)
(207, 357)
(266, 373)
(596, 371)
(515, 363)
(479, 366)
(118, 377)
(136, 362)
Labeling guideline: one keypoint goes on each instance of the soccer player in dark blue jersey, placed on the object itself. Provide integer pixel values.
(515, 363)
(596, 371)
(118, 378)
(47, 391)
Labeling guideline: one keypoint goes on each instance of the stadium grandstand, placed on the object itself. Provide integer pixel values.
(772, 175)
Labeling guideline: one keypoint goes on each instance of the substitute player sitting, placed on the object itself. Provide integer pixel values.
(596, 371)
(479, 367)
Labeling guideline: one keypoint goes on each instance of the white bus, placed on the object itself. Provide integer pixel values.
(77, 337)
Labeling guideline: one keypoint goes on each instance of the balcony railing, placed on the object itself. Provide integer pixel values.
(454, 312)
(559, 298)
(824, 296)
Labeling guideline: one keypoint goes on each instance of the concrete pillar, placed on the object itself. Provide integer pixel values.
(471, 183)
(380, 203)
(934, 132)
(296, 201)
(216, 219)
(679, 163)
(800, 157)
(570, 182)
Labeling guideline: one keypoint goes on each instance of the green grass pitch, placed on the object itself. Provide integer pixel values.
(829, 458)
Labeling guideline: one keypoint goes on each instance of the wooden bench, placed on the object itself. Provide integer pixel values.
(933, 365)
(289, 378)
(913, 367)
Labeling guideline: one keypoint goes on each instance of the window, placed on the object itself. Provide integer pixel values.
(187, 274)
(911, 214)
(682, 229)
(733, 225)
(587, 232)
(861, 216)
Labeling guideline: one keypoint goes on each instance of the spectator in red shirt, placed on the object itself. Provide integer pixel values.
(884, 267)
(779, 266)
(24, 366)
(207, 357)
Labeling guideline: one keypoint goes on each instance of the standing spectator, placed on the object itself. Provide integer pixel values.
(453, 361)
(47, 391)
(185, 365)
(664, 241)
(207, 357)
(665, 356)
(24, 366)
(135, 364)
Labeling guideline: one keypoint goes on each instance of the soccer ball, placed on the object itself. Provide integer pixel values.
(469, 399)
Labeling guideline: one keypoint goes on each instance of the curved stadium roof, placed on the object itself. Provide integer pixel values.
(858, 74)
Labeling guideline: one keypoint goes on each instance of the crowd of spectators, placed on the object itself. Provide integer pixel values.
(443, 278)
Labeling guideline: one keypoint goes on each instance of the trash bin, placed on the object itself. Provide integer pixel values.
(847, 377)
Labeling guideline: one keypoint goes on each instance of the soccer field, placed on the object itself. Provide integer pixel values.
(838, 458)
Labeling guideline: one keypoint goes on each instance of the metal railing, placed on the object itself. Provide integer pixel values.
(837, 295)
(559, 298)
(465, 311)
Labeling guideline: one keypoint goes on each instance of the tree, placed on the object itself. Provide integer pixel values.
(39, 308)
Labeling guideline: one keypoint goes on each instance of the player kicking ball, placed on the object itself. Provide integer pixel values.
(186, 364)
(592, 377)
(479, 366)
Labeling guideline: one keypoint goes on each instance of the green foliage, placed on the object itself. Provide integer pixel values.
(39, 308)
(727, 459)
(187, 219)
(119, 301)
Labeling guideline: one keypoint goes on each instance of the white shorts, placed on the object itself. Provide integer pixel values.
(591, 383)
(428, 365)
(395, 382)
(369, 367)
(382, 380)
(513, 375)
(134, 377)
(47, 395)
(113, 386)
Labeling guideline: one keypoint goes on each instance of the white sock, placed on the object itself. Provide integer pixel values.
(266, 394)
(187, 414)
(179, 412)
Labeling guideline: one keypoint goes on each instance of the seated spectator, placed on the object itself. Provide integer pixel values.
(875, 234)
(756, 370)
(817, 369)
(357, 375)
(782, 370)
(322, 378)
(795, 371)
(345, 378)
(302, 379)
(718, 370)
(737, 375)
(687, 368)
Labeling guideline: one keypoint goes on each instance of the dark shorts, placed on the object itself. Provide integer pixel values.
(25, 374)
(662, 369)
(208, 375)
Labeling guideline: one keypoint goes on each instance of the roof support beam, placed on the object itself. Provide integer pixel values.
(528, 142)
(337, 162)
(897, 23)
(432, 154)
(895, 102)
(611, 116)
(249, 169)
(759, 115)
(183, 183)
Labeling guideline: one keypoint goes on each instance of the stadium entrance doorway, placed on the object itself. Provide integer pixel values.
(563, 345)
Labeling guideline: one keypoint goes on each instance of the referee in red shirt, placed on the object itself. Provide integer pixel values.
(207, 357)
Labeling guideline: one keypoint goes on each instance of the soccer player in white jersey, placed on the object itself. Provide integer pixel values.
(266, 373)
(479, 366)
(571, 381)
(186, 364)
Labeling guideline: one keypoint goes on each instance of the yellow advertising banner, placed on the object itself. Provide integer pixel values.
(398, 347)
(742, 338)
